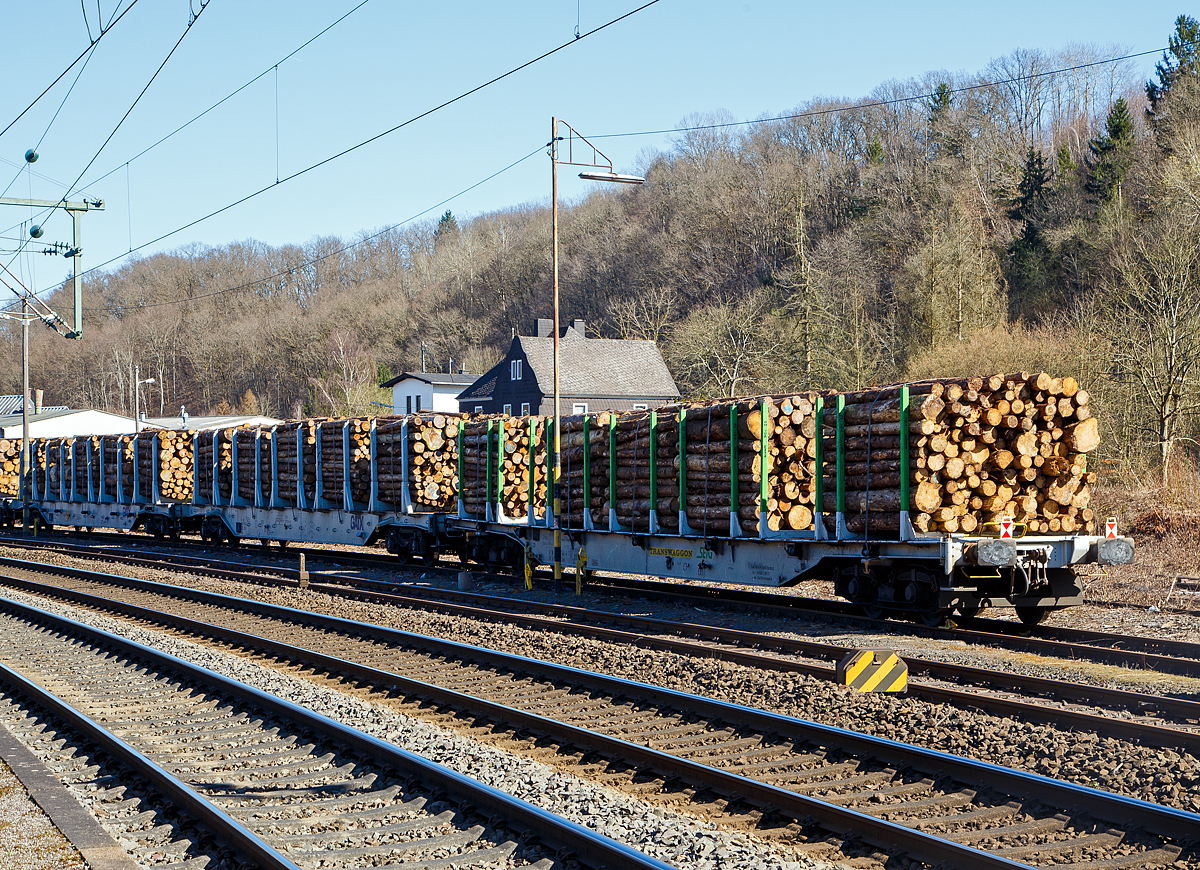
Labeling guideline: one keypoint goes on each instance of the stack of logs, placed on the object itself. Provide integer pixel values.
(83, 447)
(432, 444)
(289, 472)
(175, 465)
(573, 446)
(222, 441)
(116, 447)
(980, 449)
(518, 465)
(479, 445)
(333, 470)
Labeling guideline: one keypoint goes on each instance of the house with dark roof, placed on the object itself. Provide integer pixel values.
(595, 374)
(413, 392)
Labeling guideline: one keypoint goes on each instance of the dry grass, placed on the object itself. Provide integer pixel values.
(1164, 521)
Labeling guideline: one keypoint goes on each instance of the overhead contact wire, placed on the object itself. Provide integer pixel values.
(250, 284)
(377, 136)
(833, 110)
(67, 70)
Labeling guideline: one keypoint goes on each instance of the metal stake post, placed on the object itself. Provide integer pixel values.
(24, 416)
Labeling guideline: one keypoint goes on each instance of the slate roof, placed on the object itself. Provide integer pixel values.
(482, 388)
(594, 367)
(436, 379)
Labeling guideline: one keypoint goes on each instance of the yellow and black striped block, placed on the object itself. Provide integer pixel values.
(873, 670)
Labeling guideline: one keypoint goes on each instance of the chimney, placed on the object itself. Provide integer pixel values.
(578, 326)
(38, 396)
(545, 328)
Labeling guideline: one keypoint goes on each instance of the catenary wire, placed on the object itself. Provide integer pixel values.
(374, 138)
(326, 256)
(68, 69)
(193, 18)
(57, 111)
(833, 110)
(229, 96)
(215, 105)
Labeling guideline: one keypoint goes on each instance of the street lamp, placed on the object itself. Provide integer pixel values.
(601, 162)
(137, 416)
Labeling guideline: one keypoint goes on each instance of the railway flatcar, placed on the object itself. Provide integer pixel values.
(926, 498)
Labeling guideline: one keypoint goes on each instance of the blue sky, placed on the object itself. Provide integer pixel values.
(390, 60)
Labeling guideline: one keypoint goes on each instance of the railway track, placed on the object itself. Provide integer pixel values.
(236, 764)
(891, 795)
(1157, 720)
(1151, 719)
(1130, 651)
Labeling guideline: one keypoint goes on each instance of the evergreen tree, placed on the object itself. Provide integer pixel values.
(1030, 199)
(1065, 162)
(1031, 266)
(1111, 154)
(875, 153)
(447, 227)
(1182, 58)
(944, 138)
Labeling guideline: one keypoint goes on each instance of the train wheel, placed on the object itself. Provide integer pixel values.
(968, 611)
(402, 546)
(934, 618)
(872, 611)
(1032, 615)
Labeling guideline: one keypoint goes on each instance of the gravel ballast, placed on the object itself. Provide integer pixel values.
(674, 837)
(1163, 776)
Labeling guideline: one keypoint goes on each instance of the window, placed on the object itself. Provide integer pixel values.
(640, 407)
(579, 408)
(418, 404)
(524, 409)
(479, 409)
(408, 400)
(508, 410)
(515, 370)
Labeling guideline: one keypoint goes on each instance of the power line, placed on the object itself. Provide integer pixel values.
(68, 69)
(833, 110)
(259, 281)
(374, 138)
(228, 97)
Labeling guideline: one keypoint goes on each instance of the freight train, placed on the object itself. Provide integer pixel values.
(919, 497)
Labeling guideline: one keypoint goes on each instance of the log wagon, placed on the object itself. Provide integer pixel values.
(923, 497)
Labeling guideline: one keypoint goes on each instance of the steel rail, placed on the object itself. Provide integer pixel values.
(1106, 648)
(1175, 657)
(1146, 733)
(1163, 821)
(1122, 729)
(174, 789)
(590, 847)
(891, 836)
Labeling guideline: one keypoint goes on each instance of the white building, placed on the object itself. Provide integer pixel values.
(413, 392)
(63, 423)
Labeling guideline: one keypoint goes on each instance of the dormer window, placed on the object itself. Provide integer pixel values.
(515, 370)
